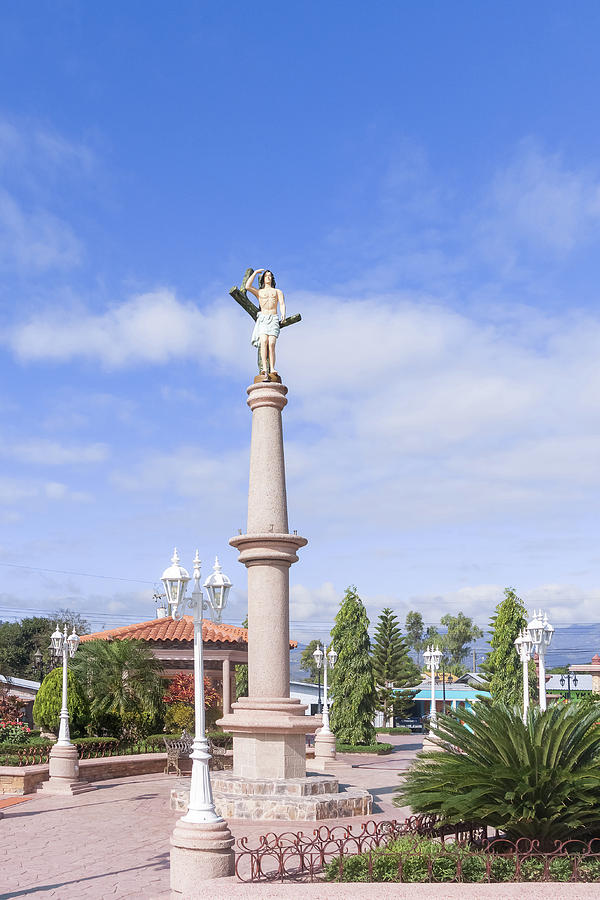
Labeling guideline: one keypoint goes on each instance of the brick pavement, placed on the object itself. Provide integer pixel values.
(114, 843)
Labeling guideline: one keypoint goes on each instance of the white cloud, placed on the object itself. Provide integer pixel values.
(51, 453)
(33, 238)
(538, 202)
(153, 328)
(14, 491)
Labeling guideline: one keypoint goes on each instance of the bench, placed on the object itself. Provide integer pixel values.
(182, 746)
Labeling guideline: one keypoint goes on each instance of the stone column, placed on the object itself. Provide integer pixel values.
(226, 687)
(268, 726)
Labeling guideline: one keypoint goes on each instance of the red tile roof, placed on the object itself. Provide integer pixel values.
(169, 629)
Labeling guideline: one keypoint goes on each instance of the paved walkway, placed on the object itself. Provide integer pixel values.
(114, 843)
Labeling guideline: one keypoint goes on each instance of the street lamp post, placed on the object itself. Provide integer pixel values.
(63, 768)
(201, 844)
(524, 646)
(324, 738)
(318, 657)
(569, 679)
(65, 646)
(540, 633)
(432, 661)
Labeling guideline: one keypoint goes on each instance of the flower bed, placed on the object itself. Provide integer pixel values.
(13, 731)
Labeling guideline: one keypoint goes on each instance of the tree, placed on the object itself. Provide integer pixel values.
(308, 662)
(392, 666)
(414, 632)
(503, 667)
(241, 674)
(179, 698)
(123, 684)
(536, 780)
(20, 640)
(48, 702)
(353, 684)
(72, 619)
(460, 632)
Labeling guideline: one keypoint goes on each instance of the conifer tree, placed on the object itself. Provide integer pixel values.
(353, 684)
(503, 667)
(48, 702)
(392, 666)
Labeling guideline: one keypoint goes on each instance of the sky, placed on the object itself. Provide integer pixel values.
(423, 179)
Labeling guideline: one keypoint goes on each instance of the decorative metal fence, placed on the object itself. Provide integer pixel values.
(464, 854)
(31, 755)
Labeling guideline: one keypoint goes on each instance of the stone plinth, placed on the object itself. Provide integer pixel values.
(307, 799)
(64, 772)
(199, 852)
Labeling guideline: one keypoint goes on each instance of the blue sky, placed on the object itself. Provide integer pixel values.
(424, 181)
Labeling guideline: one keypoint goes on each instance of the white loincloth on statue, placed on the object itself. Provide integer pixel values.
(266, 323)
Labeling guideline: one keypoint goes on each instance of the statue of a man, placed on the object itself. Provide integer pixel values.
(266, 330)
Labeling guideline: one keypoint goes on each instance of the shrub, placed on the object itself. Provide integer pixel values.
(48, 702)
(379, 747)
(539, 780)
(180, 716)
(402, 729)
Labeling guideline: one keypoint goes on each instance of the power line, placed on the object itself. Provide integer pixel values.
(78, 574)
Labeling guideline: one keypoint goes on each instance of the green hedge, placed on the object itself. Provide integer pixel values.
(402, 729)
(379, 748)
(415, 853)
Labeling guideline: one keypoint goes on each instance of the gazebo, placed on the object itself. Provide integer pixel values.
(172, 642)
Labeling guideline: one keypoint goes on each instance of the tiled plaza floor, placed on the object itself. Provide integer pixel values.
(113, 842)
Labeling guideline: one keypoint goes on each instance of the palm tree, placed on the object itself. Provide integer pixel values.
(536, 780)
(123, 683)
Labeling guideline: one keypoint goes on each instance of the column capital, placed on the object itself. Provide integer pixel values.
(258, 549)
(267, 393)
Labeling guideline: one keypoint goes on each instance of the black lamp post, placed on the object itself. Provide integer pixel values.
(562, 683)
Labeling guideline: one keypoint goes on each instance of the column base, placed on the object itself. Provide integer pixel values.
(200, 852)
(308, 799)
(429, 744)
(64, 773)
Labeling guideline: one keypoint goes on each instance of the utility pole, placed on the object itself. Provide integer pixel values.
(474, 660)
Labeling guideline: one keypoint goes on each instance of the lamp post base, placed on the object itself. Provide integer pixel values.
(200, 851)
(64, 773)
(325, 754)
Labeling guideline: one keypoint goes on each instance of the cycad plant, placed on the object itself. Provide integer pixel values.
(536, 780)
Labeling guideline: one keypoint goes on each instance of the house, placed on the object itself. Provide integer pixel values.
(25, 690)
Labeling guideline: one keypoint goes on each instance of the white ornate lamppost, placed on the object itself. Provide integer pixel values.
(201, 844)
(217, 586)
(540, 632)
(524, 647)
(432, 661)
(324, 738)
(63, 766)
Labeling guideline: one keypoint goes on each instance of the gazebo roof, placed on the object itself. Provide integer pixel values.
(176, 630)
(169, 629)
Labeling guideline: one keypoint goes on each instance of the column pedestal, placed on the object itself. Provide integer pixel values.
(64, 773)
